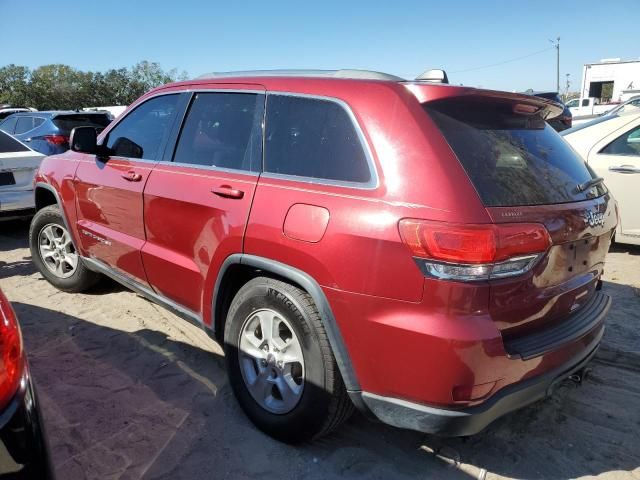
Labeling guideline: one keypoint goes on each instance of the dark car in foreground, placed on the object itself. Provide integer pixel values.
(562, 121)
(48, 132)
(430, 254)
(23, 447)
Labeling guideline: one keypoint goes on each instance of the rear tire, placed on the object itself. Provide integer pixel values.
(55, 255)
(313, 400)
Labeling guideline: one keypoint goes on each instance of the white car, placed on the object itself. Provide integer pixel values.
(18, 165)
(611, 147)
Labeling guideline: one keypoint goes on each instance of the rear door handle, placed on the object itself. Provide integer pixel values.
(624, 169)
(132, 176)
(227, 192)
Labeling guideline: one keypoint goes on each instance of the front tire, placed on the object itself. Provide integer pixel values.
(280, 364)
(55, 255)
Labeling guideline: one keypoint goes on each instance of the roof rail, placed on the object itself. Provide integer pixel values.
(344, 73)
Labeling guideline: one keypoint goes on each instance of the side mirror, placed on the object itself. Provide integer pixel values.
(84, 140)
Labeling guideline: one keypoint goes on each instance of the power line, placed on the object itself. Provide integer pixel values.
(506, 61)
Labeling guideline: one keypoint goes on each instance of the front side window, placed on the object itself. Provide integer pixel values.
(141, 133)
(313, 138)
(23, 125)
(626, 144)
(223, 130)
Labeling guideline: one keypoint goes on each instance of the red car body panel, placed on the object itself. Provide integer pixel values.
(408, 336)
(191, 231)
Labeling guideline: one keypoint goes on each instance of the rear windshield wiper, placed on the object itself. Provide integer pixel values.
(581, 187)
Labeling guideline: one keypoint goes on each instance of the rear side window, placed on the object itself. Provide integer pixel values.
(313, 138)
(223, 130)
(66, 123)
(8, 125)
(141, 133)
(512, 159)
(10, 144)
(23, 125)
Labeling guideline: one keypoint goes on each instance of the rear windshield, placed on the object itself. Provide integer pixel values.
(10, 144)
(512, 159)
(69, 122)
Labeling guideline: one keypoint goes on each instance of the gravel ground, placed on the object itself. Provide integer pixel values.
(130, 391)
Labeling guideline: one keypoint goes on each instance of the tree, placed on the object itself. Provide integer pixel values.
(61, 87)
(14, 85)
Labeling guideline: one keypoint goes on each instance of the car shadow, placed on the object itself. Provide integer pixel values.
(142, 403)
(625, 248)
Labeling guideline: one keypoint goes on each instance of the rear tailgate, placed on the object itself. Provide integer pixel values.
(18, 164)
(524, 172)
(565, 279)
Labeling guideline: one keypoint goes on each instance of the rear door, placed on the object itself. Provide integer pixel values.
(524, 172)
(616, 158)
(109, 191)
(196, 206)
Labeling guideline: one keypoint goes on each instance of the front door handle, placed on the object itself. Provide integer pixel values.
(132, 176)
(227, 192)
(624, 169)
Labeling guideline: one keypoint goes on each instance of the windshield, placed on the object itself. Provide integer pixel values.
(512, 159)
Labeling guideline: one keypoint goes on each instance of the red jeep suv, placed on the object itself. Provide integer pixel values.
(430, 254)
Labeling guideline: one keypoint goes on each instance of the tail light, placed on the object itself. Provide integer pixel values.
(567, 120)
(474, 252)
(11, 352)
(57, 139)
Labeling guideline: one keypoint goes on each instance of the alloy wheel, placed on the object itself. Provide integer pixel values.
(57, 251)
(271, 361)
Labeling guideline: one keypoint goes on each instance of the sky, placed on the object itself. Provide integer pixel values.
(404, 38)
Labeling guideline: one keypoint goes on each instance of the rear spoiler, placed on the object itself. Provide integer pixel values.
(547, 109)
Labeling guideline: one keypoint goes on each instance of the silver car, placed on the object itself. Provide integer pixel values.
(18, 165)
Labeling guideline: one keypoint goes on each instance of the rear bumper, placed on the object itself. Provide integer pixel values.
(469, 421)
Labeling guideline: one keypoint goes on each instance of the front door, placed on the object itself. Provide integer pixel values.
(617, 160)
(196, 206)
(109, 190)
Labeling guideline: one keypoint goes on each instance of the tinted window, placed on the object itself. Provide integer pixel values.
(313, 138)
(512, 159)
(23, 125)
(141, 132)
(10, 144)
(8, 125)
(627, 144)
(223, 130)
(66, 123)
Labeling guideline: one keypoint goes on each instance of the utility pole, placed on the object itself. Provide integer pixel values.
(566, 91)
(556, 43)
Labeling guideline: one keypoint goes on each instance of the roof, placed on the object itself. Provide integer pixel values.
(53, 113)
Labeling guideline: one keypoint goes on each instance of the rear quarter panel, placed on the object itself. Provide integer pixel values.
(361, 250)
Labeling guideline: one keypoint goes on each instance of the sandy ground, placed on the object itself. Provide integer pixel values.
(130, 391)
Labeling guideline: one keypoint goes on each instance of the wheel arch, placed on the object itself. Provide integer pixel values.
(44, 193)
(237, 269)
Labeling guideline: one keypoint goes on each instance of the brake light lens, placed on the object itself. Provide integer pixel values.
(474, 252)
(57, 139)
(11, 352)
